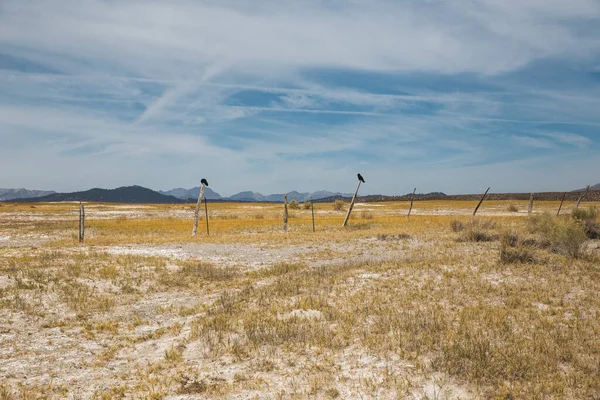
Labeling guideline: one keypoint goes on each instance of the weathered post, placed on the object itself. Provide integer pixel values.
(285, 213)
(197, 210)
(561, 203)
(530, 209)
(312, 209)
(412, 197)
(360, 180)
(81, 222)
(206, 216)
(587, 189)
(480, 201)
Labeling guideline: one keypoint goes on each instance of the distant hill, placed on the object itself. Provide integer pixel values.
(192, 193)
(594, 187)
(11, 194)
(126, 194)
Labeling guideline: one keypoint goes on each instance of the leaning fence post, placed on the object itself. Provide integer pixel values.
(197, 210)
(530, 209)
(360, 180)
(561, 203)
(587, 189)
(412, 197)
(285, 213)
(81, 222)
(480, 201)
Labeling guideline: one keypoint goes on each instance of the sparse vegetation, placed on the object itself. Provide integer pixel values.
(307, 205)
(387, 308)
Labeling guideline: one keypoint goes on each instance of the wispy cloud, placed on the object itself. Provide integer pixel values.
(299, 93)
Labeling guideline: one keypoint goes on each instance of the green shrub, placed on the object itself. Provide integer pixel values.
(564, 235)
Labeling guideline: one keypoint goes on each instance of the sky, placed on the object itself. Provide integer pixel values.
(274, 96)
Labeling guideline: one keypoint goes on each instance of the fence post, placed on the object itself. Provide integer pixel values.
(412, 197)
(587, 189)
(480, 201)
(352, 202)
(561, 203)
(81, 222)
(530, 209)
(285, 213)
(206, 215)
(197, 210)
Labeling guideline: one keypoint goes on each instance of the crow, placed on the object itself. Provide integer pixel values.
(204, 182)
(360, 178)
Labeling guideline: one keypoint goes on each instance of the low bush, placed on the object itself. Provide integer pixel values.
(514, 250)
(293, 205)
(564, 235)
(512, 208)
(338, 205)
(307, 205)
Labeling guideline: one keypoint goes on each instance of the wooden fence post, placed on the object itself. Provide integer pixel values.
(412, 197)
(561, 203)
(351, 205)
(480, 201)
(587, 189)
(81, 222)
(285, 213)
(530, 209)
(312, 208)
(197, 210)
(206, 216)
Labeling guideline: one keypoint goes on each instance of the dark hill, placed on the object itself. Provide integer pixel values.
(126, 194)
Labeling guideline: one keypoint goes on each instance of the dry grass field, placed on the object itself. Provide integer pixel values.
(441, 306)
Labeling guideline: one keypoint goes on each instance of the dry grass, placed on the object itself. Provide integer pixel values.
(502, 306)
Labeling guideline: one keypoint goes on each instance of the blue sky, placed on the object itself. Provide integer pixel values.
(274, 96)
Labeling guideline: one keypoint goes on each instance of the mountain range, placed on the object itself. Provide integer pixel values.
(11, 194)
(141, 195)
(193, 193)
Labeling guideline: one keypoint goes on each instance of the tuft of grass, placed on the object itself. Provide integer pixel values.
(365, 214)
(513, 250)
(456, 225)
(512, 208)
(307, 205)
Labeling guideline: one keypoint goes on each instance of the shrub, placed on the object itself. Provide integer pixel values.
(588, 217)
(338, 205)
(512, 208)
(293, 205)
(473, 234)
(456, 225)
(584, 215)
(564, 235)
(514, 250)
(307, 205)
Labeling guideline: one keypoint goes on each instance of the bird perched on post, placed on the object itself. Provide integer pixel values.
(360, 178)
(204, 182)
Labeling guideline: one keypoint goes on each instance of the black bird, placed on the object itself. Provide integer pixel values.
(360, 178)
(204, 182)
